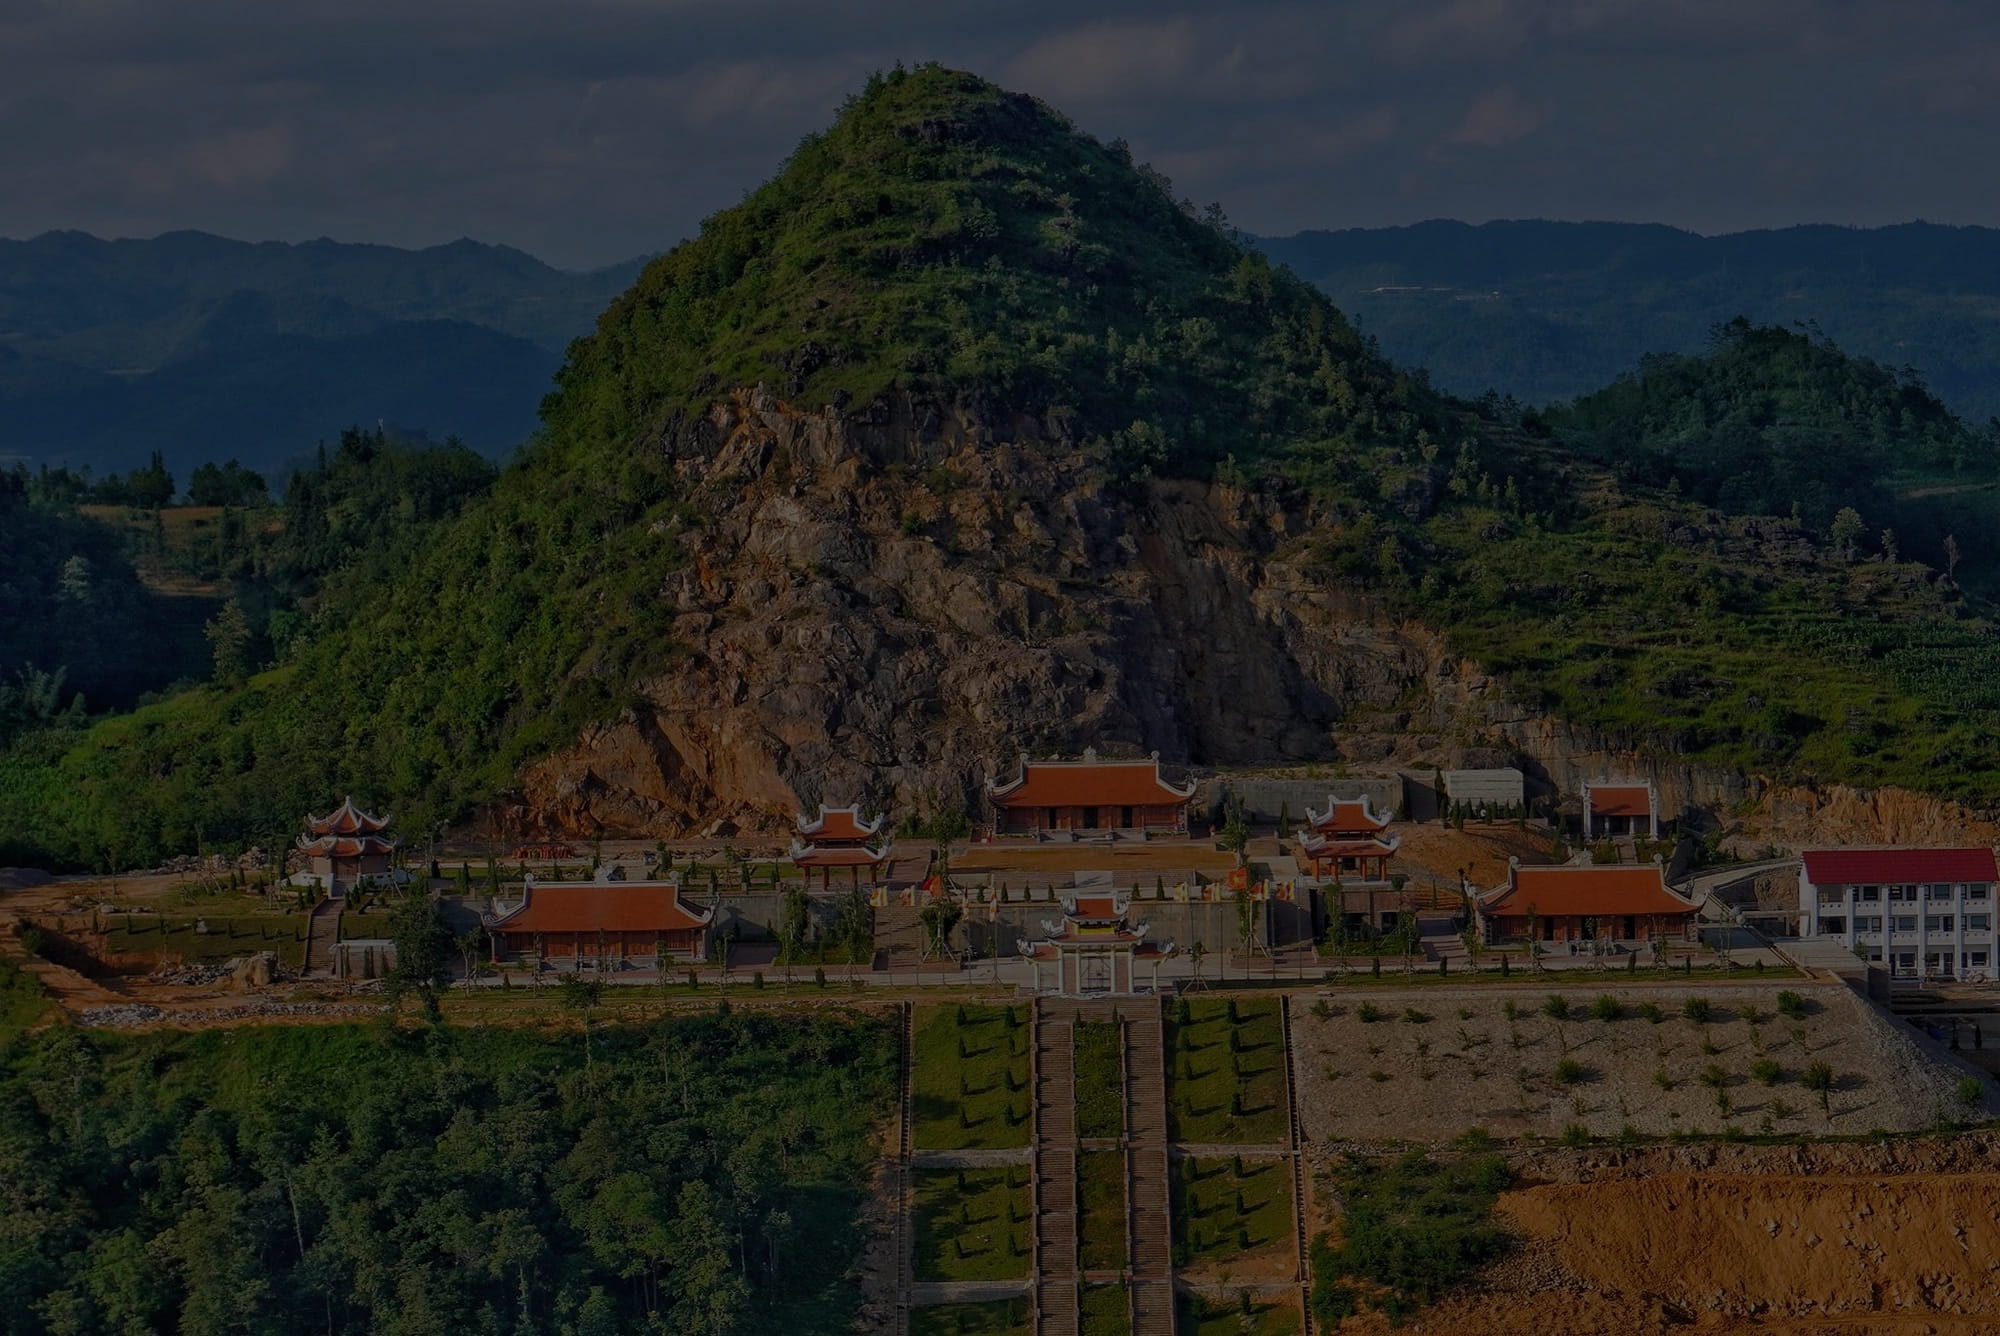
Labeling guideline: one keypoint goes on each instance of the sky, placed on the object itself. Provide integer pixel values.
(588, 131)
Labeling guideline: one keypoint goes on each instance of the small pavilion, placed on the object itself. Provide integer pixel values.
(1094, 948)
(1585, 903)
(839, 838)
(1348, 837)
(1620, 808)
(347, 847)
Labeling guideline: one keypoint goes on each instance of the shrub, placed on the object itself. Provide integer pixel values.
(1766, 1071)
(1378, 1076)
(1697, 1010)
(1510, 1009)
(1414, 1017)
(1662, 1080)
(1714, 1077)
(1322, 1009)
(1967, 1091)
(1571, 1072)
(1607, 1008)
(1576, 1136)
(1369, 1012)
(1649, 1011)
(1791, 1005)
(1473, 1139)
(1556, 1007)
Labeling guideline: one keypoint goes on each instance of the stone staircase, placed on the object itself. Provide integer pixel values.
(1298, 1167)
(322, 931)
(1147, 1193)
(1054, 1184)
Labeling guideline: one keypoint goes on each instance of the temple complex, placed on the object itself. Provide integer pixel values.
(1347, 838)
(605, 923)
(1585, 903)
(1094, 949)
(346, 848)
(1089, 794)
(839, 838)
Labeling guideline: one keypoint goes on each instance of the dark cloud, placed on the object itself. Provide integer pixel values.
(592, 129)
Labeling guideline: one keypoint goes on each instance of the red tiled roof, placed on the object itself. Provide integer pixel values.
(1587, 890)
(837, 855)
(1096, 907)
(835, 825)
(1848, 867)
(1621, 800)
(346, 819)
(1090, 784)
(605, 906)
(1314, 846)
(336, 846)
(1348, 816)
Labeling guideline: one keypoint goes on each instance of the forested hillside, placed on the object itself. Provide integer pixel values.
(698, 1175)
(1024, 418)
(1545, 310)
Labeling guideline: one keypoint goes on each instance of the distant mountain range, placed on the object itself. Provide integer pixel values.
(204, 348)
(1546, 310)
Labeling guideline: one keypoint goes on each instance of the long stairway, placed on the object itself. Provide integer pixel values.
(1147, 1193)
(322, 931)
(1055, 1201)
(1298, 1166)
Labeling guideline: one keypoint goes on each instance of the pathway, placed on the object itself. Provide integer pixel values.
(1147, 1199)
(1053, 1184)
(1296, 1141)
(322, 931)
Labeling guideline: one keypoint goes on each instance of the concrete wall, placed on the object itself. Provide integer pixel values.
(1264, 798)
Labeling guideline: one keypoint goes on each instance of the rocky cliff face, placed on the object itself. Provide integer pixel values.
(888, 605)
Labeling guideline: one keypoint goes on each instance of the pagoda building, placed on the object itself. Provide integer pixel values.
(1094, 948)
(347, 847)
(1586, 903)
(1348, 837)
(1089, 794)
(601, 924)
(839, 838)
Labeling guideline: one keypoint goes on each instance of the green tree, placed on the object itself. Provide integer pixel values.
(1846, 532)
(229, 635)
(424, 949)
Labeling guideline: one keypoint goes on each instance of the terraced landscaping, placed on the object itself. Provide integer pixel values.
(969, 1078)
(1225, 1071)
(1007, 1317)
(1101, 1189)
(1247, 1316)
(1100, 1080)
(1105, 1311)
(1231, 1213)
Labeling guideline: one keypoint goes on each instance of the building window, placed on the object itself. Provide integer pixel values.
(1868, 923)
(1975, 960)
(1937, 890)
(1903, 922)
(1977, 890)
(1902, 892)
(1837, 923)
(1937, 923)
(1869, 894)
(1832, 897)
(1978, 922)
(1875, 954)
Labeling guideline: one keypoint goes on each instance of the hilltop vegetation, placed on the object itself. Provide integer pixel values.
(947, 247)
(702, 1175)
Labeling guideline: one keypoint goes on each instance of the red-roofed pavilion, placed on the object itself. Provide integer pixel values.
(1625, 807)
(603, 921)
(348, 846)
(1089, 794)
(838, 838)
(1348, 837)
(1094, 949)
(1585, 903)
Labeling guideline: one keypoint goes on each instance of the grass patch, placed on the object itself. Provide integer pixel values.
(969, 1077)
(1005, 1317)
(1100, 1080)
(1100, 1176)
(972, 1224)
(1225, 1074)
(1106, 1311)
(1413, 1227)
(228, 936)
(1225, 1209)
(1246, 1317)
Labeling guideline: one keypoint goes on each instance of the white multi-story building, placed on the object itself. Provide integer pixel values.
(1921, 913)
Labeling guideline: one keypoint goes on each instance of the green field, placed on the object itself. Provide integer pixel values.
(1100, 1178)
(969, 1078)
(1225, 1071)
(1247, 1317)
(1106, 1311)
(1100, 1080)
(1008, 1317)
(972, 1224)
(1228, 1208)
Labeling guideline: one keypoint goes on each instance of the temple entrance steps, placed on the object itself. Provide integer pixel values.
(1297, 1139)
(322, 931)
(898, 932)
(1053, 1186)
(1147, 1191)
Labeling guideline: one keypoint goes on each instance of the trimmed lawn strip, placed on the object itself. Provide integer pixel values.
(969, 1077)
(1100, 1080)
(1106, 1311)
(1006, 1317)
(1225, 1073)
(1201, 1316)
(227, 937)
(1225, 1209)
(972, 1224)
(1101, 1221)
